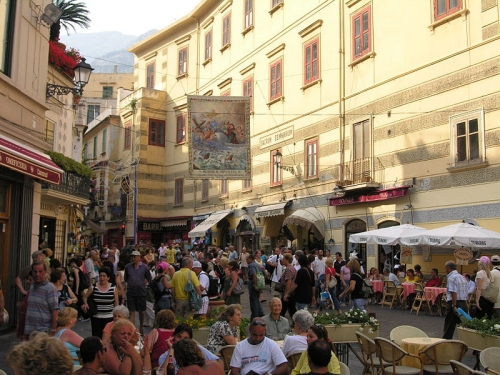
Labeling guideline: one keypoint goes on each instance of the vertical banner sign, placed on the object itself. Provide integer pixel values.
(219, 137)
(406, 254)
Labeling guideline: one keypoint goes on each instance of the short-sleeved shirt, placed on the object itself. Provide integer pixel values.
(215, 339)
(458, 284)
(305, 282)
(289, 273)
(180, 280)
(170, 253)
(233, 255)
(208, 357)
(253, 268)
(261, 358)
(89, 268)
(276, 329)
(42, 300)
(136, 279)
(243, 258)
(303, 365)
(359, 283)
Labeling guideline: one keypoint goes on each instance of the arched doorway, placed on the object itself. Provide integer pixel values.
(352, 227)
(224, 238)
(246, 235)
(386, 253)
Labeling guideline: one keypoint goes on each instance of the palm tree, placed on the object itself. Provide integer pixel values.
(74, 14)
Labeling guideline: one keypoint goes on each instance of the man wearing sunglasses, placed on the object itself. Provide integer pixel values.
(258, 355)
(92, 352)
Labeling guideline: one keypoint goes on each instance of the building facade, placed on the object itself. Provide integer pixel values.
(383, 112)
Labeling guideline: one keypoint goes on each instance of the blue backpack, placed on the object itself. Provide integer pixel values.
(195, 300)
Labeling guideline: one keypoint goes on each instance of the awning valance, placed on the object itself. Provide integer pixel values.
(201, 229)
(246, 218)
(28, 161)
(173, 223)
(310, 218)
(271, 210)
(94, 227)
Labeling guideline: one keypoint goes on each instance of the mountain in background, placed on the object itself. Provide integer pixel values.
(106, 50)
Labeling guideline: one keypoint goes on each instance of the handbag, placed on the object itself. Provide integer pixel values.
(238, 289)
(491, 292)
(92, 310)
(279, 287)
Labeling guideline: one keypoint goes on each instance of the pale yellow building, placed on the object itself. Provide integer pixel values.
(376, 106)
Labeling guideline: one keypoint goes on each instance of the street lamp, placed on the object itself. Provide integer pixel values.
(277, 157)
(82, 76)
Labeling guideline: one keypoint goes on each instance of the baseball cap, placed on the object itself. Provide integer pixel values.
(484, 259)
(495, 259)
(196, 264)
(135, 253)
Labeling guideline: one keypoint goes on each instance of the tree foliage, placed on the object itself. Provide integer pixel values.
(74, 14)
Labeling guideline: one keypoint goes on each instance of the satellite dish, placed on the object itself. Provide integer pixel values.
(51, 14)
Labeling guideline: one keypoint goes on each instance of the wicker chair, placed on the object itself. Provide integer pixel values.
(293, 359)
(402, 332)
(460, 369)
(490, 359)
(226, 353)
(441, 353)
(390, 352)
(344, 370)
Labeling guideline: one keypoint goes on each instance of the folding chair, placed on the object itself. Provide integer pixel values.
(420, 300)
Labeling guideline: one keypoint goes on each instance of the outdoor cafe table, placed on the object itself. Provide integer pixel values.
(431, 293)
(414, 345)
(408, 288)
(378, 286)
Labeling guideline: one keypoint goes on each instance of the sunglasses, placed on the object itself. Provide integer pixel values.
(258, 323)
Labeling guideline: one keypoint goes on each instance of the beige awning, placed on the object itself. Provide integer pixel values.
(94, 227)
(310, 218)
(271, 210)
(201, 229)
(173, 223)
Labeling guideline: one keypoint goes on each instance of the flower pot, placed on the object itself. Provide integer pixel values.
(475, 341)
(346, 332)
(201, 335)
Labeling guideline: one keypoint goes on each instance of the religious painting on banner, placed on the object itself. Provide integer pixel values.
(406, 255)
(219, 137)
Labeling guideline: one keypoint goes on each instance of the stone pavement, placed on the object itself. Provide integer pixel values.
(432, 325)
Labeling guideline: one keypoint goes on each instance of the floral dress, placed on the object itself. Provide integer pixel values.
(216, 336)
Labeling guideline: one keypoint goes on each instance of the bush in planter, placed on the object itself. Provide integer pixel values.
(486, 327)
(354, 316)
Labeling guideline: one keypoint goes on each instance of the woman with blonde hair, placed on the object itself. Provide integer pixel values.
(483, 280)
(355, 285)
(65, 321)
(121, 358)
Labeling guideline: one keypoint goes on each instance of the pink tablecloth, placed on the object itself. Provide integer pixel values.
(378, 286)
(408, 288)
(431, 293)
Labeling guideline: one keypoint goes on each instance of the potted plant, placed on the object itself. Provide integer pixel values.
(480, 334)
(342, 327)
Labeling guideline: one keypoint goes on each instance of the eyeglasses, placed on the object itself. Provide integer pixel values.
(258, 323)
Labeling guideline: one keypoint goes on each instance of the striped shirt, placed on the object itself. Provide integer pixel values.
(458, 284)
(105, 302)
(42, 300)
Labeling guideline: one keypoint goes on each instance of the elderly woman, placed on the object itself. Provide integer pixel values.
(303, 320)
(119, 312)
(483, 280)
(277, 325)
(316, 332)
(165, 323)
(226, 330)
(191, 361)
(41, 355)
(121, 358)
(65, 321)
(355, 285)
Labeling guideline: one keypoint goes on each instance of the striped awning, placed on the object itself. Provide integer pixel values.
(271, 210)
(173, 223)
(201, 229)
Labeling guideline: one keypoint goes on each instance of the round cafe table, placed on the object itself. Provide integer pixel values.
(378, 286)
(408, 288)
(414, 345)
(431, 293)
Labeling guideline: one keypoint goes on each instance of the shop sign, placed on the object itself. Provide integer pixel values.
(275, 138)
(463, 255)
(149, 226)
(378, 196)
(265, 240)
(30, 169)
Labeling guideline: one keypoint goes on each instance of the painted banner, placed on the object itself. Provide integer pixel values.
(219, 137)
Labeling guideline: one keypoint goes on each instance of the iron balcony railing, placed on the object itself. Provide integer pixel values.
(71, 184)
(355, 172)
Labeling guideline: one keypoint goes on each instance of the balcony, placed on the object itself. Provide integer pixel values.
(358, 173)
(74, 189)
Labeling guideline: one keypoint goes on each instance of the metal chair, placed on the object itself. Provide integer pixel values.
(402, 332)
(390, 352)
(490, 360)
(420, 300)
(226, 353)
(293, 359)
(344, 370)
(441, 353)
(370, 361)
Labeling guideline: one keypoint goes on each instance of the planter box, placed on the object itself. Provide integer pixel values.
(346, 332)
(201, 335)
(475, 341)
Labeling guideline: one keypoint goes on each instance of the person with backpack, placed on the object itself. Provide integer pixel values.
(179, 281)
(162, 291)
(355, 285)
(201, 271)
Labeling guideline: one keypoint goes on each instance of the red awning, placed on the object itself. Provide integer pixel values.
(28, 161)
(379, 195)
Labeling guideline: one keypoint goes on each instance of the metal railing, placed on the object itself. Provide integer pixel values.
(71, 184)
(356, 172)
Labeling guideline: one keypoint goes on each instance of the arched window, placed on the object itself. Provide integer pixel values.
(352, 227)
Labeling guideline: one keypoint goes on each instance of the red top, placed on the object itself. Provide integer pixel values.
(331, 271)
(160, 346)
(434, 282)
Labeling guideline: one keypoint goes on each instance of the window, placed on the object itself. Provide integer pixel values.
(7, 18)
(204, 190)
(94, 153)
(312, 158)
(361, 168)
(468, 138)
(248, 13)
(246, 185)
(361, 33)
(150, 76)
(208, 45)
(156, 132)
(226, 30)
(248, 90)
(275, 82)
(92, 112)
(181, 129)
(224, 192)
(128, 133)
(49, 131)
(179, 192)
(443, 8)
(276, 175)
(182, 61)
(104, 141)
(107, 92)
(311, 61)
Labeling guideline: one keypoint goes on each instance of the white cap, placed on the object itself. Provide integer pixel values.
(196, 264)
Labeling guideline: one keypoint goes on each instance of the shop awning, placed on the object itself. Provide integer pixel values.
(310, 218)
(271, 210)
(246, 218)
(28, 161)
(201, 229)
(94, 227)
(173, 223)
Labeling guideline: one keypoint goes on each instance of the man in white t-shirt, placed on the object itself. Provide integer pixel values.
(200, 270)
(89, 266)
(244, 264)
(258, 354)
(275, 261)
(161, 250)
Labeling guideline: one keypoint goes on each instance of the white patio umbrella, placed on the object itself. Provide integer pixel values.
(386, 236)
(462, 234)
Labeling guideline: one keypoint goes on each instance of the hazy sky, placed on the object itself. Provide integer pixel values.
(134, 17)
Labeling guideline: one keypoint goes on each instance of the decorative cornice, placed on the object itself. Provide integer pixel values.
(207, 23)
(185, 38)
(225, 83)
(226, 5)
(208, 93)
(309, 29)
(350, 3)
(180, 107)
(247, 69)
(273, 52)
(150, 56)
